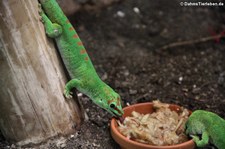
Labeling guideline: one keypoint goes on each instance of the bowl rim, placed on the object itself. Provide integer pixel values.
(113, 126)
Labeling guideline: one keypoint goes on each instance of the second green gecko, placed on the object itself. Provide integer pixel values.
(209, 126)
(77, 62)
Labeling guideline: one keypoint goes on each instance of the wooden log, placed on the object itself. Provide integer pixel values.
(32, 105)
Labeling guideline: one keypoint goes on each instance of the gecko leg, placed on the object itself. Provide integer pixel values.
(204, 140)
(69, 85)
(53, 30)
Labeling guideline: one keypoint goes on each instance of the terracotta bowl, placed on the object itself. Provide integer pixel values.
(126, 143)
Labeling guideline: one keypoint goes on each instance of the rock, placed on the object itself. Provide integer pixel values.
(61, 143)
(120, 14)
(196, 90)
(13, 146)
(136, 10)
(104, 76)
(71, 136)
(132, 92)
(221, 79)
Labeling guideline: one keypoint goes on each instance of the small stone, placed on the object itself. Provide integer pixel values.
(126, 73)
(132, 92)
(180, 79)
(79, 94)
(185, 90)
(221, 80)
(197, 97)
(104, 77)
(120, 14)
(13, 146)
(86, 117)
(136, 10)
(196, 90)
(95, 145)
(61, 143)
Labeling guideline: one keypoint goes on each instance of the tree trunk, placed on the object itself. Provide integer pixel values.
(32, 106)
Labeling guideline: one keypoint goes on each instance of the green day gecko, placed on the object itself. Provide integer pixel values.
(209, 126)
(77, 62)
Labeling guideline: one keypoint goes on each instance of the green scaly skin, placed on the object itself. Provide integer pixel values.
(76, 60)
(209, 126)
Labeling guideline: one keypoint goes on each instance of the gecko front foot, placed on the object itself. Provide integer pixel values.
(200, 143)
(69, 86)
(67, 93)
(195, 138)
(41, 13)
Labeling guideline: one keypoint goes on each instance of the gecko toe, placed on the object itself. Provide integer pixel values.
(67, 94)
(41, 19)
(40, 11)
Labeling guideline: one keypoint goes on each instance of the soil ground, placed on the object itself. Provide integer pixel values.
(124, 45)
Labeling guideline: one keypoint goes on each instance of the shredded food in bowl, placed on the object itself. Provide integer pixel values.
(162, 127)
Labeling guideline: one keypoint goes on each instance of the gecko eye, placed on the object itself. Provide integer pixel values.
(112, 105)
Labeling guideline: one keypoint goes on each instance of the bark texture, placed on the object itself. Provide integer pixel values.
(32, 106)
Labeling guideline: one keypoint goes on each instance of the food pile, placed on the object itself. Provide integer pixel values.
(162, 127)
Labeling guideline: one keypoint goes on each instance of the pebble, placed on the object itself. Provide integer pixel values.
(221, 79)
(104, 76)
(120, 14)
(136, 10)
(79, 94)
(180, 79)
(61, 143)
(71, 136)
(132, 92)
(13, 146)
(128, 104)
(196, 90)
(126, 73)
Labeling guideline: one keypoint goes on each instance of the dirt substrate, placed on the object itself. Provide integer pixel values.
(124, 42)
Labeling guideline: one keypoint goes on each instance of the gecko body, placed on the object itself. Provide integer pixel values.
(209, 126)
(77, 62)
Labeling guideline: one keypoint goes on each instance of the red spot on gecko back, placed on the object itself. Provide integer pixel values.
(67, 21)
(79, 43)
(83, 51)
(75, 36)
(86, 58)
(71, 28)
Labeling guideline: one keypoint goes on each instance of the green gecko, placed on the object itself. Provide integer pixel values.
(77, 62)
(207, 125)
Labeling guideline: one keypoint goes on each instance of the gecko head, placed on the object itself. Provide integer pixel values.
(109, 100)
